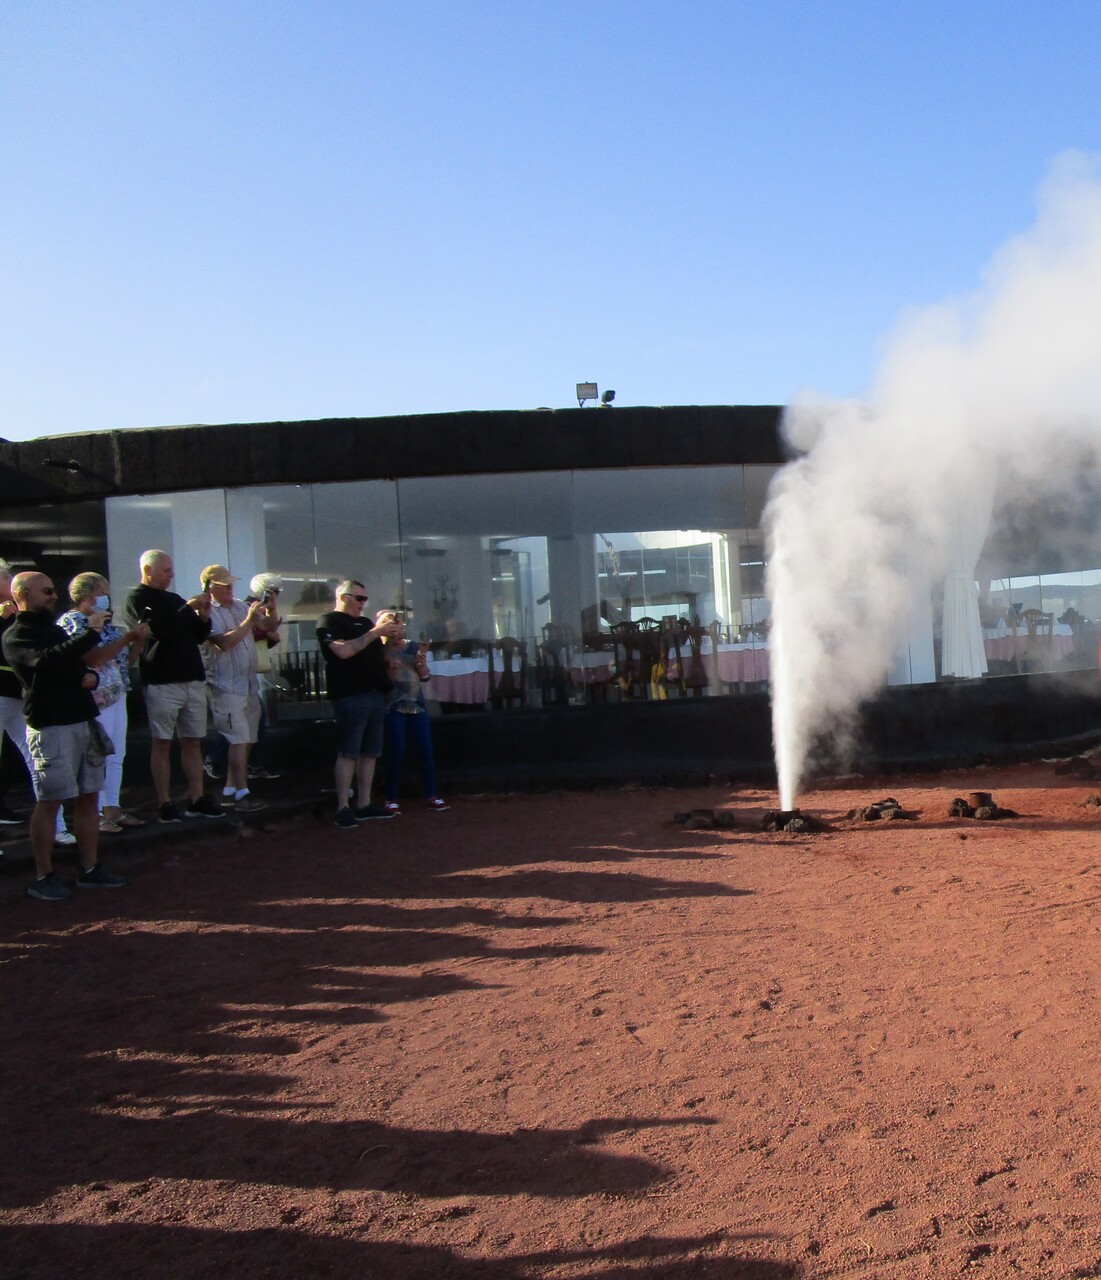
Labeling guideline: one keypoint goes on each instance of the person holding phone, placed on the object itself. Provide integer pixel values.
(357, 684)
(406, 713)
(174, 680)
(265, 588)
(91, 593)
(66, 743)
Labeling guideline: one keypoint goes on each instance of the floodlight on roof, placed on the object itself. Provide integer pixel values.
(586, 391)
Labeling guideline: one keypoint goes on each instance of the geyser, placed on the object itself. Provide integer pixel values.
(998, 393)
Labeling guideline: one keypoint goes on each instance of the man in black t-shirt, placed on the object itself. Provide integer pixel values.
(174, 679)
(355, 672)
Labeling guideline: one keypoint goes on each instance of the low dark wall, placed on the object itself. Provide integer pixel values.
(690, 741)
(939, 726)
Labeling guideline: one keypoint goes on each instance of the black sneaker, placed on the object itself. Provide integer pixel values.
(100, 878)
(373, 811)
(204, 807)
(168, 812)
(262, 775)
(48, 889)
(248, 803)
(210, 768)
(345, 819)
(9, 819)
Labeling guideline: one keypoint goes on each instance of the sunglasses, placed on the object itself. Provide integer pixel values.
(49, 591)
(360, 599)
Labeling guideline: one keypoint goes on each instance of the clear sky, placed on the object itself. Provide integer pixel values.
(243, 211)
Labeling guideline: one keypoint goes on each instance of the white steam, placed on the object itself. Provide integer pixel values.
(1004, 386)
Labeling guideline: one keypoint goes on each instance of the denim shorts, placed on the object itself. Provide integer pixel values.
(360, 719)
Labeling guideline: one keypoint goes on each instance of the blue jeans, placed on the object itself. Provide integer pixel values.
(419, 728)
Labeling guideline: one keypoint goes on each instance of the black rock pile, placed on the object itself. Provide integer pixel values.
(888, 810)
(981, 806)
(792, 820)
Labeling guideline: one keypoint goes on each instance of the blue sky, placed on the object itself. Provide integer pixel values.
(218, 212)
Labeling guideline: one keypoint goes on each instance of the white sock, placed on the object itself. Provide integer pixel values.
(240, 795)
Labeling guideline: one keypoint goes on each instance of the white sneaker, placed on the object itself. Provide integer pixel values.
(64, 837)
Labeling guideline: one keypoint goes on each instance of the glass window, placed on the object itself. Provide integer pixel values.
(556, 560)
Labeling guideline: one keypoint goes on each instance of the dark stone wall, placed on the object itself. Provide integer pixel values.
(163, 459)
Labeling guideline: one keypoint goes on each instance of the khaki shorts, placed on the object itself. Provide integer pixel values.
(176, 709)
(67, 760)
(236, 716)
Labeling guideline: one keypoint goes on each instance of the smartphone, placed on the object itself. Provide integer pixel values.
(146, 615)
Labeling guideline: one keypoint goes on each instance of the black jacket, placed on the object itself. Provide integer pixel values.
(50, 665)
(172, 653)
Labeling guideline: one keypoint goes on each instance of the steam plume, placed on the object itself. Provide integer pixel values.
(1003, 387)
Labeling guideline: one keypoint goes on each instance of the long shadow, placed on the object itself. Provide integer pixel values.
(213, 1145)
(187, 1253)
(131, 1062)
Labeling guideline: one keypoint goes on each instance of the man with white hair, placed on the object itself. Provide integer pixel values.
(174, 680)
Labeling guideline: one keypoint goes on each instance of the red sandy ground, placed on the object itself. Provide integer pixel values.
(555, 1036)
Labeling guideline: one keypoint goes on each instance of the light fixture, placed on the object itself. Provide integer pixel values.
(606, 399)
(586, 391)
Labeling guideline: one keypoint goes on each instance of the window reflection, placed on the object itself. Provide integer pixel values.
(559, 561)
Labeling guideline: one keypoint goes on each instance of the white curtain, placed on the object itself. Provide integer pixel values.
(962, 652)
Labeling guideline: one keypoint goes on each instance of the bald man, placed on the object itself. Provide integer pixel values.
(66, 745)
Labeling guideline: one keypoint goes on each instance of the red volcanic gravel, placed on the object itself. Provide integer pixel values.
(563, 1035)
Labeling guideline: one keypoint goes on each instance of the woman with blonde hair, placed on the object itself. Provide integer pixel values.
(91, 593)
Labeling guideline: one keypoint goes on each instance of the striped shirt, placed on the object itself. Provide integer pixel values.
(233, 670)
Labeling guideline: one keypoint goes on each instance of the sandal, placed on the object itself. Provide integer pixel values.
(128, 820)
(109, 828)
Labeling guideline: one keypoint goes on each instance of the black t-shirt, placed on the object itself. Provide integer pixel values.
(171, 653)
(363, 673)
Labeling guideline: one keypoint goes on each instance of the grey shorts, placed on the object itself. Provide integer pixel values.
(67, 759)
(176, 709)
(236, 716)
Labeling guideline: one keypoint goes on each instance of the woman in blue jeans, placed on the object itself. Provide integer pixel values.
(406, 714)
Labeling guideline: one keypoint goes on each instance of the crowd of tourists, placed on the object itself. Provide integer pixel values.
(64, 681)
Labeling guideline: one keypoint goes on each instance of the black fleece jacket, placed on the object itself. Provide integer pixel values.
(50, 665)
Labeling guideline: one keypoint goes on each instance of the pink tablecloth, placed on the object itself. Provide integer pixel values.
(742, 663)
(462, 679)
(591, 668)
(458, 680)
(1005, 648)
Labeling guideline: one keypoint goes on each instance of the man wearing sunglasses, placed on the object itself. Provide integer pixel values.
(355, 673)
(67, 747)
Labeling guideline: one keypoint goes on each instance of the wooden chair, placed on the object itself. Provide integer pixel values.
(1037, 652)
(638, 656)
(552, 658)
(686, 643)
(596, 690)
(507, 686)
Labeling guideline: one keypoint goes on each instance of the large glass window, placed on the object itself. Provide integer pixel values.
(564, 563)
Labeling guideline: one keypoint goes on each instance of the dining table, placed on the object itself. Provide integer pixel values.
(462, 680)
(1002, 644)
